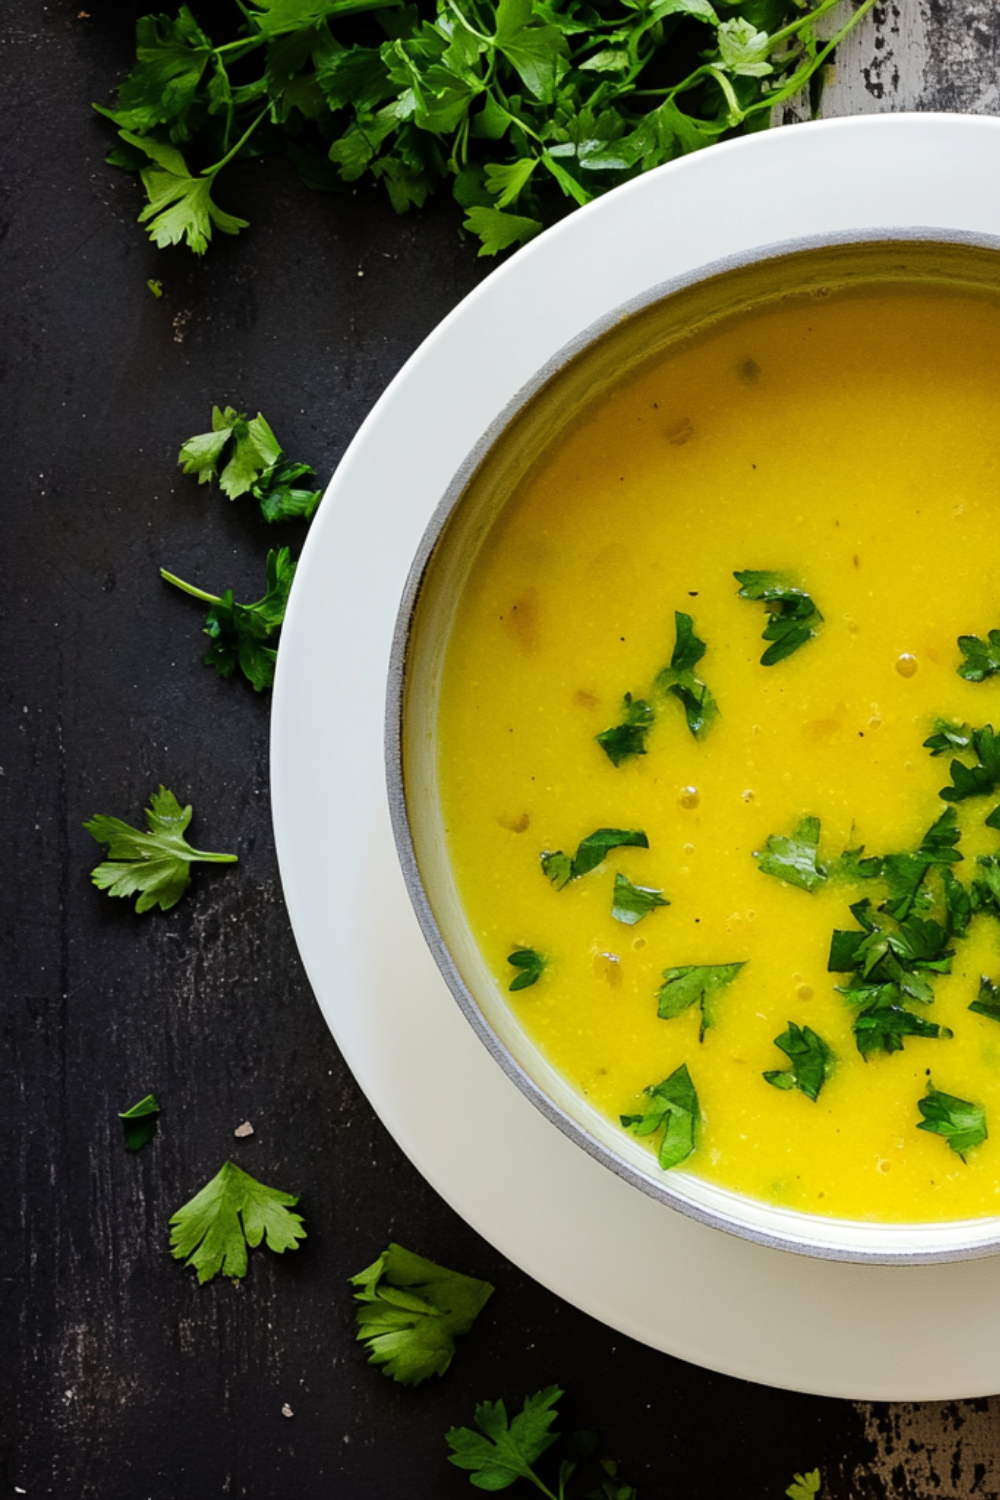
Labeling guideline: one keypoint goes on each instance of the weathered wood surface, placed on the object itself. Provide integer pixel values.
(123, 1379)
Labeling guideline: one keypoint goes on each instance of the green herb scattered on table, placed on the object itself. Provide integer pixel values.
(246, 635)
(592, 851)
(530, 966)
(139, 1123)
(794, 619)
(155, 863)
(412, 1311)
(234, 1210)
(631, 903)
(694, 984)
(961, 1123)
(810, 1057)
(522, 107)
(245, 457)
(804, 1486)
(672, 1108)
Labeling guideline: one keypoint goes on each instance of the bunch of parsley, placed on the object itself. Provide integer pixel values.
(522, 107)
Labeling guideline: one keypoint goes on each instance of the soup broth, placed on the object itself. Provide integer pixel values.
(850, 440)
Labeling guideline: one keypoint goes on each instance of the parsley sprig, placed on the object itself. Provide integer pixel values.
(246, 635)
(522, 107)
(243, 455)
(155, 863)
(232, 1211)
(411, 1312)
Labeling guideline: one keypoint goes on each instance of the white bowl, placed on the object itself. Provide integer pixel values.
(565, 1220)
(596, 360)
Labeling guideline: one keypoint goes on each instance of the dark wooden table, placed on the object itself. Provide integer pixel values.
(123, 1378)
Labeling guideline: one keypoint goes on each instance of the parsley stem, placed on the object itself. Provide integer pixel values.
(247, 42)
(211, 171)
(189, 588)
(808, 68)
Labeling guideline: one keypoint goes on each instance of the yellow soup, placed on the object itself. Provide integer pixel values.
(850, 440)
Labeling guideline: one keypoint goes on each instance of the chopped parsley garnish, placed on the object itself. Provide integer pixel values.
(412, 1311)
(972, 781)
(694, 984)
(982, 658)
(794, 618)
(154, 864)
(232, 1211)
(804, 1486)
(139, 1123)
(948, 737)
(810, 1057)
(529, 965)
(961, 1123)
(503, 1450)
(246, 635)
(633, 902)
(884, 1020)
(793, 859)
(904, 874)
(678, 678)
(672, 1108)
(987, 1002)
(628, 738)
(560, 869)
(245, 457)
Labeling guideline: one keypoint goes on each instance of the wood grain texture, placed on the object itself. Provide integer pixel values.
(122, 1378)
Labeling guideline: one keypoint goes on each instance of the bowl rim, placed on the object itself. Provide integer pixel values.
(794, 1230)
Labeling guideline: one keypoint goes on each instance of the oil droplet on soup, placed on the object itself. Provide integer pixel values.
(849, 442)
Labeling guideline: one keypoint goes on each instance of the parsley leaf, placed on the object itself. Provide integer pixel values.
(155, 863)
(982, 658)
(804, 1486)
(139, 1123)
(411, 1312)
(503, 1451)
(497, 230)
(794, 859)
(987, 1002)
(678, 678)
(529, 965)
(180, 206)
(961, 1123)
(633, 902)
(884, 1020)
(628, 738)
(948, 736)
(980, 779)
(234, 1210)
(237, 452)
(280, 498)
(246, 635)
(810, 1057)
(694, 984)
(794, 618)
(591, 852)
(672, 1108)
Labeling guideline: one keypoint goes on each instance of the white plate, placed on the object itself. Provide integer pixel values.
(883, 1333)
